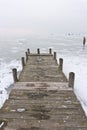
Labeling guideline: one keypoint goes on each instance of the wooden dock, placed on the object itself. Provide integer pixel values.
(42, 98)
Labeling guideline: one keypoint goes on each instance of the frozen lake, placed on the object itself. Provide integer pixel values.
(67, 47)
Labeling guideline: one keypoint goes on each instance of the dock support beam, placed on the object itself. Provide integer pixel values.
(50, 51)
(71, 79)
(38, 51)
(61, 64)
(23, 62)
(26, 56)
(15, 75)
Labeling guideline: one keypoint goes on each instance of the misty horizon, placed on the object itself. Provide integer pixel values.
(26, 17)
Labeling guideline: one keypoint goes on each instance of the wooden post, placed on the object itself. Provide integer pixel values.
(84, 41)
(61, 64)
(23, 62)
(50, 51)
(55, 55)
(15, 75)
(38, 51)
(26, 56)
(71, 79)
(28, 51)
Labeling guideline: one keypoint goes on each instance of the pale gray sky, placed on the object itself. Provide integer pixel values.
(43, 16)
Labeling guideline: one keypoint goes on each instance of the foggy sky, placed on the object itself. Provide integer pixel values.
(43, 16)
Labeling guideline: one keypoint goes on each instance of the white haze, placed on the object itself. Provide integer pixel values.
(42, 16)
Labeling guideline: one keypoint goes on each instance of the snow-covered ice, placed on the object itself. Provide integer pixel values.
(68, 47)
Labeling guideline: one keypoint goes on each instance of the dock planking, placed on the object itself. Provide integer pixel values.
(41, 98)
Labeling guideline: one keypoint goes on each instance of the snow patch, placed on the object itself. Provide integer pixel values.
(6, 78)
